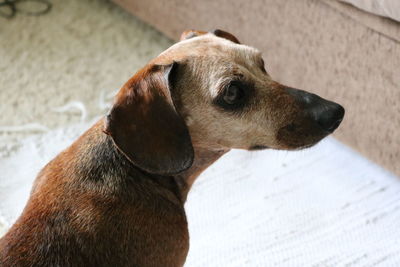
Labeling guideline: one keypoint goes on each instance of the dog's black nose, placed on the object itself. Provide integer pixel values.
(328, 115)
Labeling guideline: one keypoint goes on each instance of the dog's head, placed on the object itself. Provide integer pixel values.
(218, 90)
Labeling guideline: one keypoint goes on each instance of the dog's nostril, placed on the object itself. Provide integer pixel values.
(334, 125)
(330, 117)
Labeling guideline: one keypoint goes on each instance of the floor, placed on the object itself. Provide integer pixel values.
(325, 206)
(64, 67)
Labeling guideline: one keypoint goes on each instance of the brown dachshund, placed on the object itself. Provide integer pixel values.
(116, 196)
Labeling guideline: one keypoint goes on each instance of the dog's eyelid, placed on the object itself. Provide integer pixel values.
(243, 84)
(237, 75)
(238, 78)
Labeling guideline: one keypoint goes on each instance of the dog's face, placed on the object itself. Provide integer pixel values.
(226, 98)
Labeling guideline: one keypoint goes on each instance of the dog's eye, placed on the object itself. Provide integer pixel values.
(234, 96)
(233, 93)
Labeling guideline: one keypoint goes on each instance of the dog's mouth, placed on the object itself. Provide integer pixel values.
(258, 147)
(305, 134)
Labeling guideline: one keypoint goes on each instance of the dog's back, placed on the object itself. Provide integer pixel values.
(96, 209)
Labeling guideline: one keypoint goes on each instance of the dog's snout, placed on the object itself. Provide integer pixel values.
(327, 114)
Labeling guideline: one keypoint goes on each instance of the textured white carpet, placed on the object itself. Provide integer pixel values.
(325, 206)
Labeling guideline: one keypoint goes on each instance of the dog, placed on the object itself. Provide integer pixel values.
(116, 196)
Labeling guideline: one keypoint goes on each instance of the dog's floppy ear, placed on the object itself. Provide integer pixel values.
(226, 35)
(145, 126)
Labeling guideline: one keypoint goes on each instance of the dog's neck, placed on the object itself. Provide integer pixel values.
(111, 159)
(203, 158)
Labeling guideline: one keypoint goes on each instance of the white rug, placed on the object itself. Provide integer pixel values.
(326, 206)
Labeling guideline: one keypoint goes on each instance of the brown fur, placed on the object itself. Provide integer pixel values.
(116, 196)
(91, 207)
